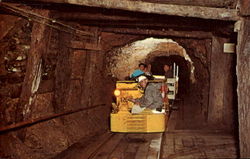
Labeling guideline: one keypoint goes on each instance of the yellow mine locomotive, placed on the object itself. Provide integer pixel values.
(122, 120)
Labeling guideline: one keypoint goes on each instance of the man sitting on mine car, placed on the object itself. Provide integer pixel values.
(168, 72)
(152, 97)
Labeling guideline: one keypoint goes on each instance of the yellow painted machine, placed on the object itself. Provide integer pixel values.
(122, 120)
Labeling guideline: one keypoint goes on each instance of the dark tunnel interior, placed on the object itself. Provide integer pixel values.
(184, 71)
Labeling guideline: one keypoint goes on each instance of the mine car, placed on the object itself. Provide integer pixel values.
(121, 118)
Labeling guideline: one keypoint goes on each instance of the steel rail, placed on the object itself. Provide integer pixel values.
(31, 122)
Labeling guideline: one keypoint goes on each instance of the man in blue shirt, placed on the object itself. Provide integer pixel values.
(138, 72)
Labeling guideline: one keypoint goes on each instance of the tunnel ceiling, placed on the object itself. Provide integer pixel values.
(122, 61)
(120, 19)
(159, 8)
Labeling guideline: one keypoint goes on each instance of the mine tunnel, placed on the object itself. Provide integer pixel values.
(61, 61)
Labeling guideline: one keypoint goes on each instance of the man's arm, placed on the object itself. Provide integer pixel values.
(147, 99)
(158, 101)
(153, 98)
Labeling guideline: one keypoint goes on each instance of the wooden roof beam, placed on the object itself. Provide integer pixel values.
(169, 33)
(156, 8)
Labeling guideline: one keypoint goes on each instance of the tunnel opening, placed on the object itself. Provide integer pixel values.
(184, 71)
(127, 58)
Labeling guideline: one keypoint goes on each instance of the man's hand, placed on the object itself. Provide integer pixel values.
(130, 98)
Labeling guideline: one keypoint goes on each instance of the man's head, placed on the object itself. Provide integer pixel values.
(166, 68)
(142, 66)
(143, 81)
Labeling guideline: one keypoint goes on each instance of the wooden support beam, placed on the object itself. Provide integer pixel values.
(155, 8)
(85, 46)
(170, 33)
(221, 89)
(62, 73)
(145, 25)
(210, 3)
(243, 87)
(92, 16)
(34, 68)
(46, 86)
(245, 7)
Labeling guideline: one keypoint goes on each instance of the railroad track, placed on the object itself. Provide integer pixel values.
(125, 146)
(116, 146)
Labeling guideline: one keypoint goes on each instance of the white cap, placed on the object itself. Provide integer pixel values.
(141, 78)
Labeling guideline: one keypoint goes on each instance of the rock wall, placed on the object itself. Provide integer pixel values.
(14, 49)
(71, 78)
(212, 97)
